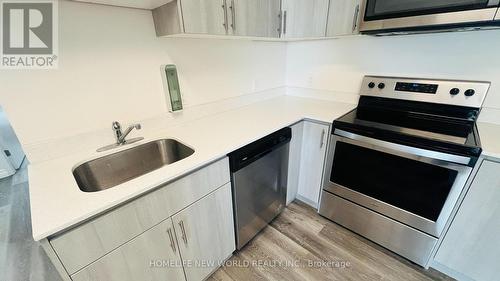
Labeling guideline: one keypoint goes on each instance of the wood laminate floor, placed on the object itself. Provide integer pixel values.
(301, 245)
(298, 245)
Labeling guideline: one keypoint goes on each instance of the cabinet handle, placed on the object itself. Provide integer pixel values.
(224, 5)
(184, 237)
(233, 15)
(284, 22)
(322, 139)
(280, 23)
(172, 242)
(355, 20)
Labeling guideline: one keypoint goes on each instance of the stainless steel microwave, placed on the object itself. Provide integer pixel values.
(393, 16)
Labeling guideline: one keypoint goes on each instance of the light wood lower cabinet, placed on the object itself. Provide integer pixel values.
(205, 231)
(306, 160)
(99, 249)
(314, 145)
(152, 256)
(294, 157)
(190, 245)
(471, 246)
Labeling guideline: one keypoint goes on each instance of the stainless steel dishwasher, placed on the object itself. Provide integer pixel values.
(259, 173)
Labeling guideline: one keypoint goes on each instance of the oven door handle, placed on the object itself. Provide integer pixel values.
(410, 152)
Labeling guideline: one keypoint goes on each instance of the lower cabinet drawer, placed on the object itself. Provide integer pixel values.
(409, 243)
(92, 240)
(153, 256)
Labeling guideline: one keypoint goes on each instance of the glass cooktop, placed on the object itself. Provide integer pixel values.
(438, 127)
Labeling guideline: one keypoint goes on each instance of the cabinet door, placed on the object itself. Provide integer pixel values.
(204, 16)
(343, 17)
(304, 18)
(294, 157)
(259, 18)
(153, 256)
(314, 145)
(205, 231)
(471, 245)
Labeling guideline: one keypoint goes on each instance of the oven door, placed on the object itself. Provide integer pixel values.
(397, 14)
(414, 186)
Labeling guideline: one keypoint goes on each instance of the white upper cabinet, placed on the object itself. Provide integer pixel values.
(205, 16)
(343, 17)
(259, 18)
(304, 18)
(287, 19)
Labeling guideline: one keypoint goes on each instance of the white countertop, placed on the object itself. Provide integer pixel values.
(489, 135)
(57, 203)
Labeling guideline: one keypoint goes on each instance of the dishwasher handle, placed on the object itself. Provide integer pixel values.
(250, 153)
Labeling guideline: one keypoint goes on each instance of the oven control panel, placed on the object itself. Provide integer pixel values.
(416, 87)
(461, 93)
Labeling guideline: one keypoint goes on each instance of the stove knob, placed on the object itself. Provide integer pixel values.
(371, 85)
(469, 92)
(454, 91)
(381, 86)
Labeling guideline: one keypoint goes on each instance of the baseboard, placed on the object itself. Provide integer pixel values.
(307, 201)
(450, 272)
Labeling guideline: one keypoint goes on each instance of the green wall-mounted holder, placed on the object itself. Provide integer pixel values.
(171, 82)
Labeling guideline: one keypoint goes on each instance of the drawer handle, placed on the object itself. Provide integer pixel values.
(171, 236)
(184, 237)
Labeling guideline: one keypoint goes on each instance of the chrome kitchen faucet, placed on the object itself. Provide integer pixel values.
(121, 136)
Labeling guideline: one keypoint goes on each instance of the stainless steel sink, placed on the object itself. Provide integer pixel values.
(114, 169)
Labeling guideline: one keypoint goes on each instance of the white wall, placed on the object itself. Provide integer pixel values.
(339, 65)
(109, 69)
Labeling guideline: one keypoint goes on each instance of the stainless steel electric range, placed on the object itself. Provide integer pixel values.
(398, 163)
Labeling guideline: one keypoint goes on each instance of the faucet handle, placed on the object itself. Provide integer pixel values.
(116, 125)
(136, 126)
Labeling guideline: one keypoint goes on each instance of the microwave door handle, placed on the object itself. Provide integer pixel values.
(418, 154)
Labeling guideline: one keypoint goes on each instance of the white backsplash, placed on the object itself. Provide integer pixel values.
(338, 66)
(90, 141)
